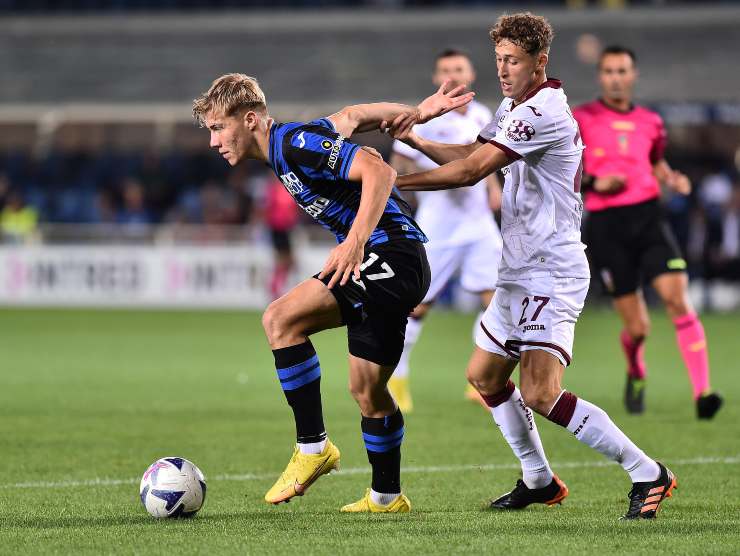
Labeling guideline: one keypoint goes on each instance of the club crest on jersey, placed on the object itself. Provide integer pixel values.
(519, 130)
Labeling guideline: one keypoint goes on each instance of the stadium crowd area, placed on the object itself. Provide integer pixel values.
(137, 189)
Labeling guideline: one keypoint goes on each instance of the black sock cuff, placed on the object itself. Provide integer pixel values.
(382, 425)
(311, 438)
(293, 355)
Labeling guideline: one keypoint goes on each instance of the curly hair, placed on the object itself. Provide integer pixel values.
(227, 94)
(530, 32)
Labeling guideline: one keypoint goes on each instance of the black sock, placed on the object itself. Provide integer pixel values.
(383, 437)
(300, 377)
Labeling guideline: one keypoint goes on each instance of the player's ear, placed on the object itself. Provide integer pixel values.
(250, 120)
(542, 59)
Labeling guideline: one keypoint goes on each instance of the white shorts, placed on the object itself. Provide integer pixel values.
(536, 313)
(477, 262)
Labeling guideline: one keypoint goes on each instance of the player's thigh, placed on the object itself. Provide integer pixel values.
(443, 263)
(544, 311)
(612, 256)
(495, 326)
(480, 262)
(489, 371)
(309, 307)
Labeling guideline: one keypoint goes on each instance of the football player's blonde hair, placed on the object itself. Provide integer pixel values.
(229, 94)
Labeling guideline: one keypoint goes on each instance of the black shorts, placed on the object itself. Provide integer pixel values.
(281, 240)
(394, 281)
(631, 245)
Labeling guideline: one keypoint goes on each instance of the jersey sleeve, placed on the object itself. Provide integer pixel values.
(319, 151)
(525, 130)
(583, 119)
(659, 142)
(489, 131)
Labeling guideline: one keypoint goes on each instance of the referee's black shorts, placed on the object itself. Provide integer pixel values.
(631, 245)
(394, 280)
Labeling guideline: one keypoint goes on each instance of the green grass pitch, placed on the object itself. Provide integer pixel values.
(88, 399)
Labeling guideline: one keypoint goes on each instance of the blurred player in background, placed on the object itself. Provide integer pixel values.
(543, 276)
(370, 282)
(281, 217)
(463, 236)
(629, 240)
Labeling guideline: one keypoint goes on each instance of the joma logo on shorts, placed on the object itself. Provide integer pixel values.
(529, 327)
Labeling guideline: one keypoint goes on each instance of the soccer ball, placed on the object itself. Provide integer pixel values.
(172, 487)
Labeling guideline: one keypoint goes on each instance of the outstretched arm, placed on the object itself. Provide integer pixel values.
(458, 173)
(366, 117)
(402, 129)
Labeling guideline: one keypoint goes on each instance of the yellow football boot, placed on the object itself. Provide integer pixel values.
(301, 472)
(399, 388)
(399, 505)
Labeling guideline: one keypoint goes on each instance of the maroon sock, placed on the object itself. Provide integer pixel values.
(562, 412)
(497, 399)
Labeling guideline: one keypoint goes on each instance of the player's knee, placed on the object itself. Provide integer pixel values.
(539, 398)
(677, 306)
(275, 322)
(473, 377)
(639, 327)
(484, 382)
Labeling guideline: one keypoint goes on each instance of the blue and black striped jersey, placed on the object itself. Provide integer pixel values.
(313, 161)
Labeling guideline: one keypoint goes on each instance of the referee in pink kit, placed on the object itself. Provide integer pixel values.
(629, 240)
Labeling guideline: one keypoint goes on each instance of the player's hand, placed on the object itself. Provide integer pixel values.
(445, 99)
(609, 184)
(372, 152)
(401, 128)
(344, 260)
(679, 182)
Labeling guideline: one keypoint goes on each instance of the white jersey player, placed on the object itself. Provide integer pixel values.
(463, 235)
(543, 277)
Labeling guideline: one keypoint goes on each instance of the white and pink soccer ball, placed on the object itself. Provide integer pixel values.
(172, 487)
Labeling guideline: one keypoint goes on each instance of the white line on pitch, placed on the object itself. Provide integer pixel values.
(732, 460)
